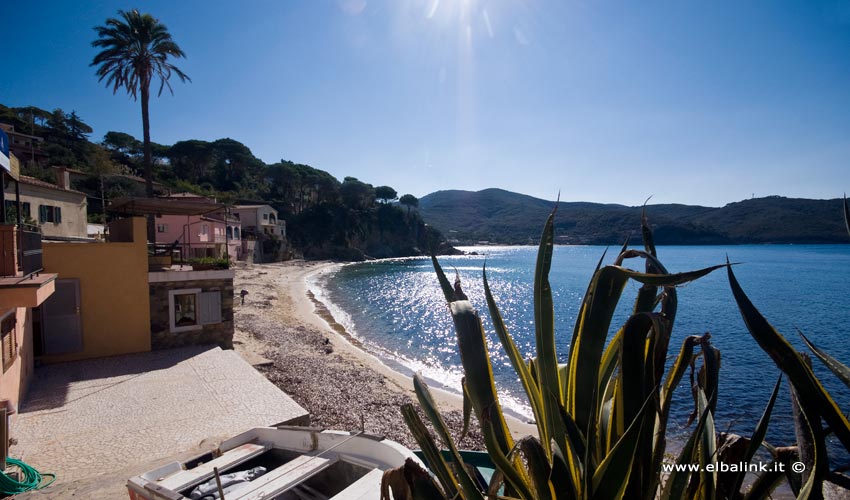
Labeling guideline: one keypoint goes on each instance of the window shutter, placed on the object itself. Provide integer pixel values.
(210, 308)
(58, 214)
(42, 213)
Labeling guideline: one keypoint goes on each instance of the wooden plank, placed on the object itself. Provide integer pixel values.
(367, 487)
(282, 478)
(188, 478)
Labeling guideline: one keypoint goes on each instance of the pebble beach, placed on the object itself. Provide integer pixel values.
(316, 362)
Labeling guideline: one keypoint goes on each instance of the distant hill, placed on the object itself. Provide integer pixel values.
(504, 217)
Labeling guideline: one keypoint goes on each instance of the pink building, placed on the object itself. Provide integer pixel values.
(211, 235)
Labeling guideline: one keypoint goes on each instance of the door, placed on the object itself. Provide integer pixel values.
(61, 325)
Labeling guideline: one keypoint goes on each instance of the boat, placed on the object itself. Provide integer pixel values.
(278, 463)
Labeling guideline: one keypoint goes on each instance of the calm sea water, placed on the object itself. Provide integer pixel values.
(397, 309)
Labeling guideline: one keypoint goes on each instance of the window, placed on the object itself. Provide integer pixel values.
(265, 216)
(183, 310)
(205, 229)
(229, 233)
(10, 340)
(11, 211)
(190, 309)
(236, 233)
(49, 213)
(162, 228)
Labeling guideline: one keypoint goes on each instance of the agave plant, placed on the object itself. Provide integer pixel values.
(812, 403)
(601, 417)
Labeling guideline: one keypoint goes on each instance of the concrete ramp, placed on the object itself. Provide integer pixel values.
(102, 417)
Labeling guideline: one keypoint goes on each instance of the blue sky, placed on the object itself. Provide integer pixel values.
(691, 102)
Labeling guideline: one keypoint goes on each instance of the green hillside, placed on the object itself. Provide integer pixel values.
(500, 216)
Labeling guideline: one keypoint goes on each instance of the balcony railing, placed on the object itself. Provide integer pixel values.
(21, 250)
(31, 252)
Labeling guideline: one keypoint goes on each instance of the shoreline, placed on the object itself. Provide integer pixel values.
(283, 321)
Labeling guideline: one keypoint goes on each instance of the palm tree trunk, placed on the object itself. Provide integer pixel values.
(146, 141)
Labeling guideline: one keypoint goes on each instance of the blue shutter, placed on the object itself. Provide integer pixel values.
(58, 214)
(42, 214)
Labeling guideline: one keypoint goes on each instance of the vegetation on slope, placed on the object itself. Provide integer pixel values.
(500, 216)
(325, 218)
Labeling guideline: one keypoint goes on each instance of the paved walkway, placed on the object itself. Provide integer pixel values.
(95, 423)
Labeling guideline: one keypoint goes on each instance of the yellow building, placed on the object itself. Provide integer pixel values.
(102, 306)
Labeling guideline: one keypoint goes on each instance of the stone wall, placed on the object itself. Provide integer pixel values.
(220, 333)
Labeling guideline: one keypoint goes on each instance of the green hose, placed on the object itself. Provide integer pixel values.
(32, 479)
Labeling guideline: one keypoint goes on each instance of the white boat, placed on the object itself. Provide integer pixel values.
(280, 463)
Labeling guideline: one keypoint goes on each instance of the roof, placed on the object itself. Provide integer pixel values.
(32, 181)
(126, 176)
(161, 206)
(249, 207)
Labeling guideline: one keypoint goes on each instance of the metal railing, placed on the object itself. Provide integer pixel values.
(21, 250)
(30, 251)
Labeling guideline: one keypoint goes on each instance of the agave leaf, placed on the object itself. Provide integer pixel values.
(448, 291)
(429, 448)
(675, 488)
(710, 372)
(644, 340)
(522, 369)
(478, 369)
(758, 435)
(539, 469)
(765, 483)
(544, 320)
(561, 478)
(429, 407)
(646, 231)
(513, 476)
(569, 444)
(846, 214)
(587, 294)
(811, 392)
(707, 449)
(467, 408)
(610, 361)
(612, 475)
(840, 370)
(674, 279)
(812, 425)
(633, 375)
(674, 377)
(588, 342)
(409, 482)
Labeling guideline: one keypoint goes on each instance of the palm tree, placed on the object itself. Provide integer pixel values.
(136, 49)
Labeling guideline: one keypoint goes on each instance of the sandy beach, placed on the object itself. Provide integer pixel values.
(317, 363)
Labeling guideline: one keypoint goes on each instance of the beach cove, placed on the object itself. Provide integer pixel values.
(341, 385)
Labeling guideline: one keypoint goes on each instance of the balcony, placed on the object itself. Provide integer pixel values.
(21, 282)
(21, 251)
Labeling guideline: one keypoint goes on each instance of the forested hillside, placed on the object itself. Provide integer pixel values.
(499, 216)
(325, 218)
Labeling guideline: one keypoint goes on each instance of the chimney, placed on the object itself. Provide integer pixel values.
(63, 178)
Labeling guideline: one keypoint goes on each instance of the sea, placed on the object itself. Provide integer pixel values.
(396, 309)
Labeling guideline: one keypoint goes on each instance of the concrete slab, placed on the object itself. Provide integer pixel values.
(98, 418)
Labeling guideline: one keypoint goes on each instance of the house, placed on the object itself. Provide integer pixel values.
(260, 219)
(123, 303)
(60, 212)
(27, 148)
(210, 233)
(263, 233)
(23, 287)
